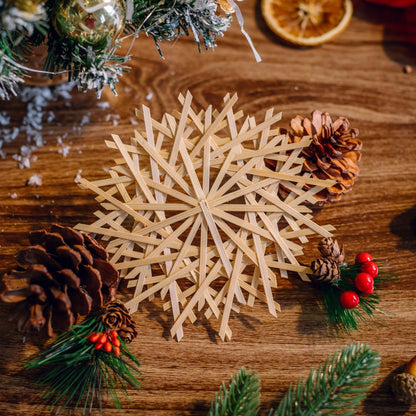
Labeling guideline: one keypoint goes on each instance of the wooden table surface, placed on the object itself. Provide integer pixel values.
(359, 75)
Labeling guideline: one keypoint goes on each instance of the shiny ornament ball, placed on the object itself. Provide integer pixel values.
(349, 299)
(363, 257)
(364, 282)
(369, 267)
(91, 21)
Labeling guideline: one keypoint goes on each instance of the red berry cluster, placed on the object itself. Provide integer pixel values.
(108, 341)
(364, 281)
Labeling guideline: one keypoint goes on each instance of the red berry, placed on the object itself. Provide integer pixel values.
(108, 347)
(103, 339)
(349, 299)
(370, 267)
(116, 351)
(94, 337)
(364, 282)
(98, 346)
(363, 257)
(116, 342)
(113, 334)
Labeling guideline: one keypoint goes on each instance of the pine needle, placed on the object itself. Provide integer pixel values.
(77, 372)
(242, 397)
(349, 319)
(335, 388)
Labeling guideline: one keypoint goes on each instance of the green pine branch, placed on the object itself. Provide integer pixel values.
(240, 399)
(168, 20)
(93, 66)
(77, 374)
(335, 388)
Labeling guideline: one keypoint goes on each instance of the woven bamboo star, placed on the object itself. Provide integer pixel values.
(191, 210)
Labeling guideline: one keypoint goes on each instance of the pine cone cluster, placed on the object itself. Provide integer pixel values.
(63, 274)
(326, 269)
(333, 153)
(117, 317)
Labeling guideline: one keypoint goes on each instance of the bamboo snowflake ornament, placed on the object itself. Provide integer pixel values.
(191, 211)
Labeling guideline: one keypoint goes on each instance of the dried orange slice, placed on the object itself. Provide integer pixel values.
(307, 22)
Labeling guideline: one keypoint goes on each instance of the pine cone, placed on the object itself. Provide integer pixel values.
(333, 153)
(325, 270)
(62, 275)
(404, 388)
(330, 248)
(117, 317)
(127, 333)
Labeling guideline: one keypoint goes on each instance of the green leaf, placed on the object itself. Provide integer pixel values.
(242, 398)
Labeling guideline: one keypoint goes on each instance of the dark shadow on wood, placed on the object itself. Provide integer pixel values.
(156, 313)
(380, 400)
(404, 226)
(399, 23)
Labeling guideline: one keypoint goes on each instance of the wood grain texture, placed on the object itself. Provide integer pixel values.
(359, 75)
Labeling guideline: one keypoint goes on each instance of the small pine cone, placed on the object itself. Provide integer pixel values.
(330, 248)
(332, 154)
(127, 333)
(325, 270)
(404, 388)
(62, 275)
(116, 316)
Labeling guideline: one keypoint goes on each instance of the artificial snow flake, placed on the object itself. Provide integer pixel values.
(191, 211)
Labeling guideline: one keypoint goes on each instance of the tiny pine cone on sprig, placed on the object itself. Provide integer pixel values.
(116, 317)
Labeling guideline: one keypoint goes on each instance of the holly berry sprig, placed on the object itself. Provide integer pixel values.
(363, 281)
(349, 290)
(107, 341)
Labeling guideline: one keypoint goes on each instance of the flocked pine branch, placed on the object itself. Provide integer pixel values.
(240, 399)
(171, 19)
(21, 23)
(17, 30)
(10, 77)
(94, 66)
(335, 388)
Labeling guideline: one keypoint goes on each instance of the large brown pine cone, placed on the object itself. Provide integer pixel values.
(325, 270)
(333, 153)
(62, 275)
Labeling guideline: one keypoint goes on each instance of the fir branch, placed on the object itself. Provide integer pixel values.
(240, 399)
(77, 372)
(10, 77)
(89, 67)
(171, 19)
(336, 388)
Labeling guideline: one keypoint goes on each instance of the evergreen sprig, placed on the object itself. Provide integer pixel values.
(349, 319)
(242, 397)
(77, 373)
(93, 66)
(10, 77)
(168, 20)
(335, 388)
(18, 32)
